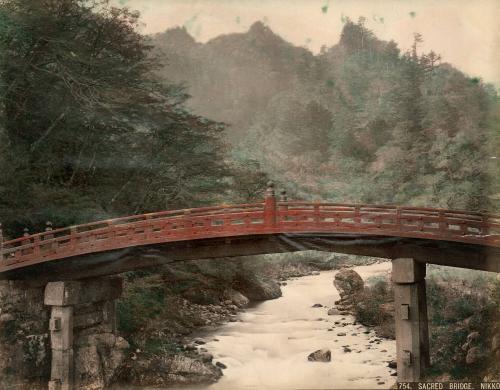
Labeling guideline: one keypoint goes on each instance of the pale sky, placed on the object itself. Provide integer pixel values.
(465, 32)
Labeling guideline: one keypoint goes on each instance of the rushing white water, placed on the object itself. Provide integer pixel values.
(268, 349)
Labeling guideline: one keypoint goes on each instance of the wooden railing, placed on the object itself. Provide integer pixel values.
(269, 217)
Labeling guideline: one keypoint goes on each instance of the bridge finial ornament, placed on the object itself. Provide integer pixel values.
(270, 206)
(283, 197)
(270, 189)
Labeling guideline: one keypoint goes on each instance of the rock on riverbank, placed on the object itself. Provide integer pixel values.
(321, 355)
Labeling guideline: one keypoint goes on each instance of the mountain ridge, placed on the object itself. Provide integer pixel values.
(355, 118)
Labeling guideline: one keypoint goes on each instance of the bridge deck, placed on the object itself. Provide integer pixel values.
(267, 218)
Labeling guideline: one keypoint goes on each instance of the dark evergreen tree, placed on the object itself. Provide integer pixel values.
(89, 131)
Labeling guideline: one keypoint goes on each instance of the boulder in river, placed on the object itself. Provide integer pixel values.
(333, 311)
(321, 355)
(206, 357)
(236, 297)
(257, 288)
(348, 283)
(317, 305)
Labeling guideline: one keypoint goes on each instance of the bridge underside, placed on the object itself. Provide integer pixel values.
(117, 261)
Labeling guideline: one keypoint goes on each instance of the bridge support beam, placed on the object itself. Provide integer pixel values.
(412, 332)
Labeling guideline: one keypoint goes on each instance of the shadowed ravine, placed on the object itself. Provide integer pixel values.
(268, 348)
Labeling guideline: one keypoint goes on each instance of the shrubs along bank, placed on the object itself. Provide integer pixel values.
(464, 320)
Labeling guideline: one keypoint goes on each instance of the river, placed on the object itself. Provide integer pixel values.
(268, 347)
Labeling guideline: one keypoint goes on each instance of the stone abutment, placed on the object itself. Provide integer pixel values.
(63, 334)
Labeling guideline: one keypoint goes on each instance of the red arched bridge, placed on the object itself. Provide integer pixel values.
(410, 236)
(291, 220)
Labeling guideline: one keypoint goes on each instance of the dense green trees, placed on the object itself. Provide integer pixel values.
(88, 131)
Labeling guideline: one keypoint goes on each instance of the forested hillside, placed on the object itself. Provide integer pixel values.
(97, 120)
(361, 121)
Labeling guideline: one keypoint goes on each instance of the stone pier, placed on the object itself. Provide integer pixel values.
(24, 338)
(412, 334)
(83, 332)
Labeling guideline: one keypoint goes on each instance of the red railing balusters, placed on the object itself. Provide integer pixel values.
(248, 219)
(420, 224)
(443, 226)
(148, 229)
(283, 208)
(357, 215)
(36, 246)
(72, 237)
(485, 229)
(188, 224)
(316, 213)
(270, 206)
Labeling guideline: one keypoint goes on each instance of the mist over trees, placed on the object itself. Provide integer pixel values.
(97, 120)
(359, 122)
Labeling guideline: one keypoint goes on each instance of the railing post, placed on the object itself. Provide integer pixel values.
(442, 222)
(26, 233)
(398, 218)
(188, 224)
(270, 206)
(48, 228)
(36, 245)
(283, 198)
(148, 230)
(283, 208)
(48, 235)
(316, 212)
(357, 215)
(72, 236)
(485, 229)
(420, 224)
